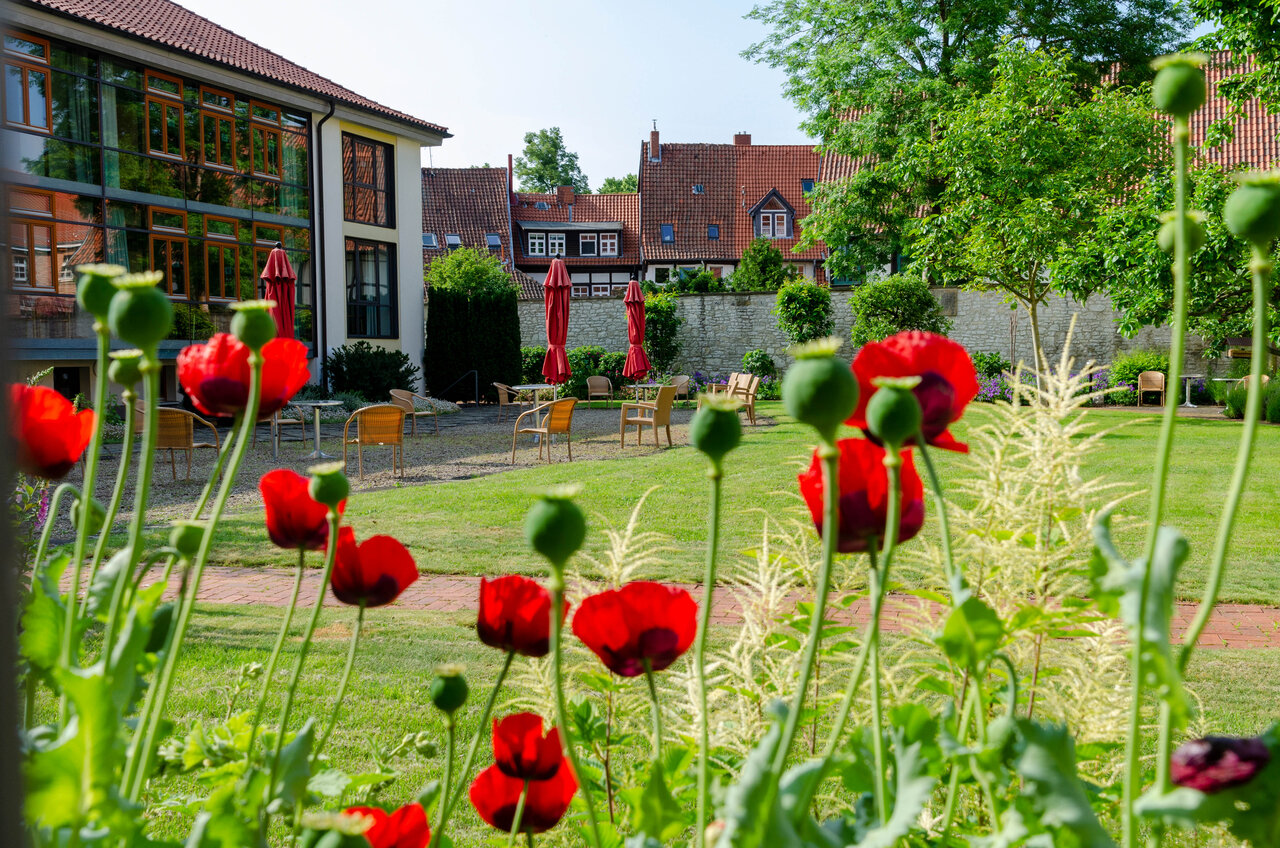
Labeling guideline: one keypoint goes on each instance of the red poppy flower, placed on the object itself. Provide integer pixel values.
(374, 572)
(641, 621)
(1215, 763)
(515, 615)
(51, 435)
(405, 828)
(948, 380)
(216, 374)
(495, 796)
(522, 751)
(294, 519)
(864, 495)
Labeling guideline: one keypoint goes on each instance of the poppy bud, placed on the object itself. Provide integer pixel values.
(125, 368)
(555, 526)
(1168, 234)
(252, 323)
(97, 517)
(1215, 763)
(186, 537)
(715, 429)
(893, 412)
(820, 390)
(161, 624)
(448, 689)
(140, 313)
(1178, 88)
(97, 287)
(1252, 212)
(329, 485)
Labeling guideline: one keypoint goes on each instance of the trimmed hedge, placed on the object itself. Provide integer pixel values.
(471, 330)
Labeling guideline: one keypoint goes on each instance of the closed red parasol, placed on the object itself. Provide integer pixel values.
(555, 367)
(637, 365)
(279, 279)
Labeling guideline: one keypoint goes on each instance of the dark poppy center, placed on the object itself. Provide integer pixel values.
(660, 646)
(936, 396)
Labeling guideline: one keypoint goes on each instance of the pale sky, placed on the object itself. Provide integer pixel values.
(491, 71)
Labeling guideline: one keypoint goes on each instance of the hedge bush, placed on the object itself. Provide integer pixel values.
(882, 308)
(661, 324)
(370, 372)
(1126, 367)
(472, 329)
(1271, 402)
(990, 363)
(759, 363)
(531, 359)
(804, 311)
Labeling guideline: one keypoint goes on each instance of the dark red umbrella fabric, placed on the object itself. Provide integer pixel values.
(556, 289)
(279, 279)
(637, 365)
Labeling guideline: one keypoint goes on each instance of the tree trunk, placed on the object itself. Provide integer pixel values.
(1037, 348)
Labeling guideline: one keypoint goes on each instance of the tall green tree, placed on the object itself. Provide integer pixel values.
(469, 269)
(547, 164)
(620, 185)
(1028, 168)
(876, 79)
(1246, 28)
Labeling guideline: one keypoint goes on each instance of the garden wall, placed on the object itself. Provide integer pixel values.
(720, 328)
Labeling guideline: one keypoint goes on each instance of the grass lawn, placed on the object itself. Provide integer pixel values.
(475, 526)
(387, 698)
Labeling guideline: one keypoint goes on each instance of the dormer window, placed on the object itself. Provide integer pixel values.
(587, 244)
(773, 225)
(773, 217)
(537, 244)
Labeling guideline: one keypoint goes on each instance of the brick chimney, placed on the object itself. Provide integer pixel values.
(564, 195)
(742, 139)
(655, 149)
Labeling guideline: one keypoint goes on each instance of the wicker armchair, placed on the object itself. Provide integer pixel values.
(682, 384)
(1151, 381)
(553, 417)
(748, 385)
(599, 387)
(408, 401)
(175, 431)
(655, 415)
(381, 424)
(507, 396)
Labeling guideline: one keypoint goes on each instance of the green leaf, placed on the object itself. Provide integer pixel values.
(428, 797)
(43, 618)
(1046, 762)
(330, 783)
(103, 585)
(295, 766)
(972, 633)
(912, 786)
(743, 812)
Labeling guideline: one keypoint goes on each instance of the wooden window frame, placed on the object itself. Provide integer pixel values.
(165, 100)
(266, 129)
(27, 64)
(29, 223)
(609, 238)
(585, 239)
(217, 114)
(221, 241)
(542, 238)
(170, 236)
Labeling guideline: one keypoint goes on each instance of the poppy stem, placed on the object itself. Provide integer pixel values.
(331, 556)
(342, 690)
(860, 664)
(269, 672)
(450, 740)
(879, 582)
(700, 656)
(562, 710)
(955, 580)
(657, 711)
(143, 747)
(447, 803)
(117, 494)
(50, 518)
(519, 816)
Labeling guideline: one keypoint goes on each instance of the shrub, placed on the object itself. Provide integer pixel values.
(699, 281)
(351, 401)
(892, 305)
(1271, 402)
(371, 372)
(469, 270)
(611, 365)
(804, 311)
(1126, 367)
(191, 323)
(531, 359)
(763, 268)
(584, 362)
(1238, 394)
(992, 388)
(770, 389)
(661, 326)
(313, 391)
(476, 328)
(990, 363)
(759, 363)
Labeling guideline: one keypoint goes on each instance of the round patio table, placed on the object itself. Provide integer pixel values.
(316, 406)
(1186, 381)
(538, 389)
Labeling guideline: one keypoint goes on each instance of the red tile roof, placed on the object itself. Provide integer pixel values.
(170, 25)
(1255, 142)
(586, 208)
(470, 203)
(734, 178)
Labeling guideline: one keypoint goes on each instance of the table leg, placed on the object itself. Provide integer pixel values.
(317, 453)
(1187, 403)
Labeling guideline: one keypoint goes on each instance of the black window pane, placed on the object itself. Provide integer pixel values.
(13, 94)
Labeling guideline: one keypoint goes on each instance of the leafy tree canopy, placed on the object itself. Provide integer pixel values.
(1246, 28)
(547, 164)
(900, 67)
(470, 270)
(762, 268)
(620, 185)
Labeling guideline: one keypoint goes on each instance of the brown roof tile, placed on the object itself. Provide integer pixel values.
(1255, 143)
(586, 208)
(467, 202)
(166, 23)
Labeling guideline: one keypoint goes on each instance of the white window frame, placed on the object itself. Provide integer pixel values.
(581, 291)
(608, 244)
(766, 225)
(585, 239)
(779, 225)
(20, 273)
(537, 244)
(555, 244)
(600, 290)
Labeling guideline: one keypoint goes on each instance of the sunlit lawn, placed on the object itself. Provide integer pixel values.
(474, 526)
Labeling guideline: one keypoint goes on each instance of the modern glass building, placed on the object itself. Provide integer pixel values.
(141, 134)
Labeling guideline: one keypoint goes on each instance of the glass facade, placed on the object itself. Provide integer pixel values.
(109, 161)
(367, 181)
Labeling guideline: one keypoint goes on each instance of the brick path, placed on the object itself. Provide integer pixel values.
(1232, 625)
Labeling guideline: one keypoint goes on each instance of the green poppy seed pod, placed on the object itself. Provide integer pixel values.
(820, 390)
(125, 368)
(140, 313)
(893, 412)
(186, 537)
(715, 429)
(253, 324)
(555, 526)
(1178, 88)
(97, 517)
(1169, 231)
(1252, 211)
(96, 288)
(329, 484)
(448, 690)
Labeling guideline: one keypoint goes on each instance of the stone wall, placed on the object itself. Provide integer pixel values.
(720, 328)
